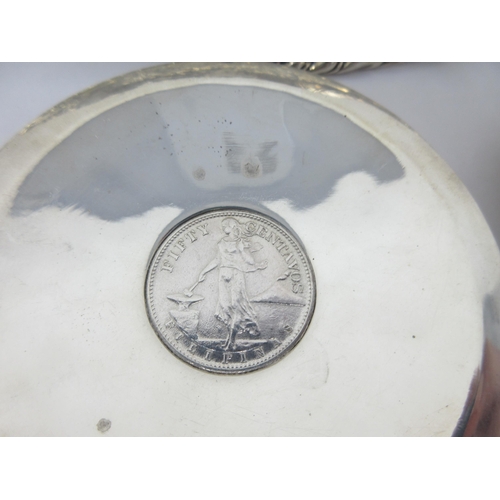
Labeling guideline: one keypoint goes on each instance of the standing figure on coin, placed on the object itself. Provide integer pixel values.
(234, 260)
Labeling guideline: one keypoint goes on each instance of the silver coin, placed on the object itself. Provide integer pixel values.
(230, 290)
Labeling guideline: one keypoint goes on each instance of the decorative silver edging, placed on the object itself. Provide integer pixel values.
(334, 68)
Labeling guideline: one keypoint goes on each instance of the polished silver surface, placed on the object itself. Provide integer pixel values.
(230, 290)
(407, 271)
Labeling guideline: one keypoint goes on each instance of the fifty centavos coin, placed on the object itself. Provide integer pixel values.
(230, 290)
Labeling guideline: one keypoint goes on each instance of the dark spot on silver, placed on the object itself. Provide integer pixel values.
(199, 174)
(104, 425)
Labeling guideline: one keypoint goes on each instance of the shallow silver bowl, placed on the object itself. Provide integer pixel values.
(407, 270)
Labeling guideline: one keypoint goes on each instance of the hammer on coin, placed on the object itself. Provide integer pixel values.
(189, 292)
